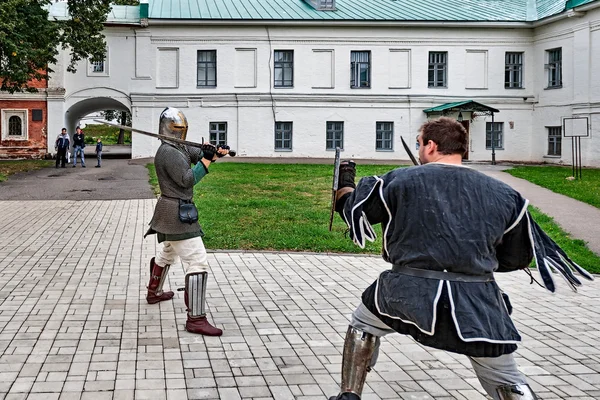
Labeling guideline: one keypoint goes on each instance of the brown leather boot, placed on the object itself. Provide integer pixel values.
(202, 326)
(155, 296)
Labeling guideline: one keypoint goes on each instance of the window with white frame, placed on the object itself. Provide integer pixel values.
(207, 68)
(554, 141)
(494, 131)
(335, 135)
(384, 135)
(360, 69)
(284, 68)
(218, 133)
(283, 135)
(14, 124)
(98, 67)
(513, 70)
(438, 69)
(554, 67)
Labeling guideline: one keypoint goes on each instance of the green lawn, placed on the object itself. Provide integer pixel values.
(586, 189)
(286, 207)
(9, 167)
(108, 134)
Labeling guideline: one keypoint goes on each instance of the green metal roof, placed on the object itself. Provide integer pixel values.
(361, 10)
(466, 105)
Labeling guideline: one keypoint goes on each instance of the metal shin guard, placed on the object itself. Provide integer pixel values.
(358, 351)
(195, 291)
(521, 391)
(158, 275)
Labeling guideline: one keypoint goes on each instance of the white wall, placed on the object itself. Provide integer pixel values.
(144, 77)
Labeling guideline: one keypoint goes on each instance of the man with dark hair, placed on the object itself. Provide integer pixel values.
(78, 146)
(447, 229)
(62, 146)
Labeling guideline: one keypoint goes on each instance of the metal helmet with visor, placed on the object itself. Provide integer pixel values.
(173, 123)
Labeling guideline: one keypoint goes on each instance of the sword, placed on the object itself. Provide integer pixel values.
(410, 154)
(334, 187)
(155, 135)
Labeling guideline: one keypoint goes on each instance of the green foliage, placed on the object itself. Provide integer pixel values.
(108, 134)
(586, 189)
(576, 249)
(11, 167)
(111, 115)
(286, 207)
(29, 42)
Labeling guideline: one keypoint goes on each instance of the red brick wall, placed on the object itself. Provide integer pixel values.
(35, 145)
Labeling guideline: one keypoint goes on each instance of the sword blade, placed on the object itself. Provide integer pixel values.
(410, 154)
(334, 186)
(155, 135)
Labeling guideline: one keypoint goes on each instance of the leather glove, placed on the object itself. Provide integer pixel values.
(208, 151)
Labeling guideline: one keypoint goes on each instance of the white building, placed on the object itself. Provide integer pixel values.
(283, 79)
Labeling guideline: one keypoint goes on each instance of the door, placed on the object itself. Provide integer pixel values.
(466, 125)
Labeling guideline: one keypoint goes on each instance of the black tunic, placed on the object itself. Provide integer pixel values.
(451, 218)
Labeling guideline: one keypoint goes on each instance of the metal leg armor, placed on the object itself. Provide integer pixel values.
(195, 295)
(358, 351)
(516, 392)
(158, 275)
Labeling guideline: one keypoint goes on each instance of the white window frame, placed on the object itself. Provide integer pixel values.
(554, 140)
(220, 135)
(280, 135)
(554, 67)
(21, 113)
(91, 64)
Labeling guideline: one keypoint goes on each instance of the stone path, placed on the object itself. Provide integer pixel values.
(74, 323)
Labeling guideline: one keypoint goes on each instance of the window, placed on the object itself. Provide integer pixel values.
(554, 68)
(14, 124)
(98, 66)
(207, 68)
(360, 69)
(513, 71)
(284, 68)
(494, 130)
(335, 135)
(438, 66)
(283, 136)
(384, 134)
(554, 141)
(218, 133)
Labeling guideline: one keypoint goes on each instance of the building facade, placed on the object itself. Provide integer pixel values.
(298, 82)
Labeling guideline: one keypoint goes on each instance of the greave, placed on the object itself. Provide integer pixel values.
(195, 293)
(521, 391)
(158, 275)
(358, 351)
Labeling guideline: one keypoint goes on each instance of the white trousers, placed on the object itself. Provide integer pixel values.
(191, 252)
(492, 372)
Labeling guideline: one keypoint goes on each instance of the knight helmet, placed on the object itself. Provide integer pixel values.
(173, 123)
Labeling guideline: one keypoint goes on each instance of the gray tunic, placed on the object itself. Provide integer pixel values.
(445, 218)
(176, 181)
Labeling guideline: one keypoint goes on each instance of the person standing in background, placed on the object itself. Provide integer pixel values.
(62, 146)
(99, 152)
(78, 146)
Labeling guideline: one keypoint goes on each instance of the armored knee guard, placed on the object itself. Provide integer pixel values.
(359, 347)
(521, 391)
(195, 295)
(158, 275)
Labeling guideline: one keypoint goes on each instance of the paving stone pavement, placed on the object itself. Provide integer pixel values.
(74, 323)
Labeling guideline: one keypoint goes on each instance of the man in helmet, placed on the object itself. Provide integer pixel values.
(175, 220)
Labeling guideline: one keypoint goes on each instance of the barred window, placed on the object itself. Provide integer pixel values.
(438, 67)
(513, 71)
(98, 66)
(554, 68)
(554, 141)
(495, 130)
(360, 69)
(335, 135)
(15, 126)
(207, 68)
(384, 136)
(283, 136)
(218, 133)
(284, 68)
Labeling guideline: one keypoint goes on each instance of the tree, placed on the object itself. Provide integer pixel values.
(29, 41)
(124, 118)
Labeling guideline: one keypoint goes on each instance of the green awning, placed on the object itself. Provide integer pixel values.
(467, 105)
